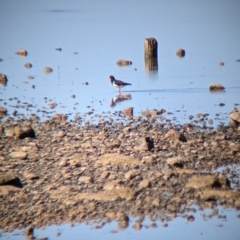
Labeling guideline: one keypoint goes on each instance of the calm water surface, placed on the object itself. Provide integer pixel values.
(101, 32)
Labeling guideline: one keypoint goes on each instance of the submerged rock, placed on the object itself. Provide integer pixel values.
(27, 65)
(235, 117)
(216, 87)
(124, 62)
(22, 52)
(3, 79)
(180, 52)
(47, 70)
(3, 111)
(128, 111)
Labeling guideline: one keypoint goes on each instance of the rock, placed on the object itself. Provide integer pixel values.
(190, 117)
(137, 226)
(10, 132)
(147, 159)
(124, 62)
(153, 225)
(9, 179)
(29, 232)
(235, 117)
(85, 179)
(52, 105)
(31, 176)
(216, 87)
(108, 195)
(47, 70)
(176, 162)
(122, 225)
(60, 134)
(111, 215)
(73, 96)
(6, 189)
(22, 52)
(208, 181)
(219, 194)
(153, 112)
(191, 218)
(221, 63)
(58, 49)
(105, 175)
(118, 159)
(1, 129)
(3, 111)
(27, 65)
(18, 155)
(60, 117)
(129, 175)
(3, 79)
(144, 144)
(24, 132)
(9, 183)
(180, 52)
(122, 216)
(128, 111)
(145, 183)
(174, 135)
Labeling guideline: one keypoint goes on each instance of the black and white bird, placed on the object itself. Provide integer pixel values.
(118, 83)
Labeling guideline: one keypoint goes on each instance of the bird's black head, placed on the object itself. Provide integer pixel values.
(111, 78)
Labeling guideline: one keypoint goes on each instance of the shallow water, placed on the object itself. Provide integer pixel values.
(204, 226)
(101, 32)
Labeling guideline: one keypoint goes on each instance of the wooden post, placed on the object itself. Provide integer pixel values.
(150, 54)
(150, 48)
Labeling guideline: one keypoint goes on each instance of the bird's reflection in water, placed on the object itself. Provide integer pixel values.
(119, 98)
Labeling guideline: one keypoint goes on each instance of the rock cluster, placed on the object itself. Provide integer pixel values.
(58, 171)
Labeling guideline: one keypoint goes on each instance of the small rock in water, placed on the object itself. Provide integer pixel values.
(47, 70)
(27, 65)
(221, 63)
(216, 87)
(3, 111)
(128, 111)
(123, 62)
(22, 52)
(191, 218)
(137, 226)
(3, 79)
(180, 52)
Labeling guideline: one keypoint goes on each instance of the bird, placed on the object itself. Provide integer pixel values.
(118, 83)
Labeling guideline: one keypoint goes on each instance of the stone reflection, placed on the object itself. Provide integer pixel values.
(119, 98)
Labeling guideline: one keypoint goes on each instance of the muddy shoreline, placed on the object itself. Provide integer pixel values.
(56, 171)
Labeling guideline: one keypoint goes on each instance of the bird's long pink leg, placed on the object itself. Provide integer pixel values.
(120, 93)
